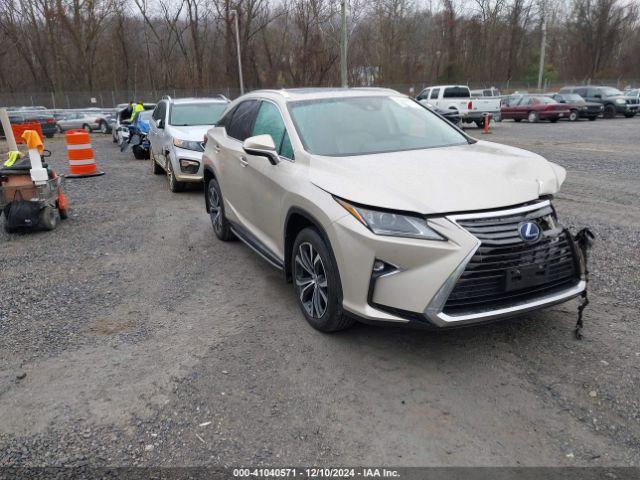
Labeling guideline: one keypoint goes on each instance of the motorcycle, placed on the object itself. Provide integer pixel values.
(138, 137)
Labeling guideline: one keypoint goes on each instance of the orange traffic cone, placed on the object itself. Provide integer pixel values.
(485, 130)
(82, 162)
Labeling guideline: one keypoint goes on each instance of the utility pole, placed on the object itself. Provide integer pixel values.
(235, 19)
(343, 46)
(543, 45)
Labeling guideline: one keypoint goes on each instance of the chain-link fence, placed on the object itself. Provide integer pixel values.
(111, 98)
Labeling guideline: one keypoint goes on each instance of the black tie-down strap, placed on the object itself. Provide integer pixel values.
(584, 238)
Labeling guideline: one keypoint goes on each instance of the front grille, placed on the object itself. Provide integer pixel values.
(507, 271)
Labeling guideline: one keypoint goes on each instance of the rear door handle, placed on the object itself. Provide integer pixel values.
(243, 161)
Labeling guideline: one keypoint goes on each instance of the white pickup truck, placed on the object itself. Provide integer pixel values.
(458, 97)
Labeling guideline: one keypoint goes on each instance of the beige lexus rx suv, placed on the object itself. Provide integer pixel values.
(378, 209)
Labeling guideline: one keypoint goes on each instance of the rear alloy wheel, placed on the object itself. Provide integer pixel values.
(155, 168)
(174, 185)
(573, 116)
(533, 117)
(609, 111)
(215, 204)
(317, 283)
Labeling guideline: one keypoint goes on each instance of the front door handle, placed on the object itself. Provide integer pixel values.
(243, 161)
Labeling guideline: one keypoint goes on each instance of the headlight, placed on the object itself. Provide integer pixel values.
(391, 223)
(620, 101)
(188, 144)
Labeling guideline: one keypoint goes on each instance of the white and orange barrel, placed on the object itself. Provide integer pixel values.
(82, 162)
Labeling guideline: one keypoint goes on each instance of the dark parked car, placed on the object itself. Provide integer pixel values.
(613, 100)
(579, 107)
(47, 122)
(534, 108)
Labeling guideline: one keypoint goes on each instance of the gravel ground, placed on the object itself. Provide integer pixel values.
(131, 336)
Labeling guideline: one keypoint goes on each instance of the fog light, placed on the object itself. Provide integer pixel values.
(382, 268)
(189, 166)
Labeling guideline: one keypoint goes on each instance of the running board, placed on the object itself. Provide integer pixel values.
(254, 244)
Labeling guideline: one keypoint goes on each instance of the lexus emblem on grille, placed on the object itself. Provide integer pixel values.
(529, 231)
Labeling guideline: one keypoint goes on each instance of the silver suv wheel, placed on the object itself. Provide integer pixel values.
(214, 208)
(311, 280)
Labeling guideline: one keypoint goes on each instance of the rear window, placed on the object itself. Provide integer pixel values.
(456, 92)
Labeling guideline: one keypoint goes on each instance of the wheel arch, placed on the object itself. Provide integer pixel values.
(296, 220)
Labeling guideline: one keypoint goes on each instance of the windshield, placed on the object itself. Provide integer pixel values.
(633, 93)
(611, 92)
(366, 125)
(189, 114)
(145, 116)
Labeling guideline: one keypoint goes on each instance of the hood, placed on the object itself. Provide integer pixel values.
(196, 132)
(478, 176)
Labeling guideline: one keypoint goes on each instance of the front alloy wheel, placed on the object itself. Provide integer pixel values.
(174, 185)
(317, 282)
(311, 280)
(573, 116)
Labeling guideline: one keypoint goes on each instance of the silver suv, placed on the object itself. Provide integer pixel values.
(377, 208)
(176, 134)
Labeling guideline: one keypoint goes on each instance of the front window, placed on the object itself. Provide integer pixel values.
(190, 114)
(367, 125)
(572, 98)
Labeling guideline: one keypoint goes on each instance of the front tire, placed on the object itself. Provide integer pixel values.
(215, 205)
(629, 115)
(573, 116)
(609, 111)
(86, 128)
(174, 185)
(317, 283)
(104, 128)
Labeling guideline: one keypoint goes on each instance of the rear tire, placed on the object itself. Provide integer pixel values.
(155, 168)
(215, 206)
(49, 218)
(593, 119)
(317, 283)
(553, 120)
(629, 115)
(517, 120)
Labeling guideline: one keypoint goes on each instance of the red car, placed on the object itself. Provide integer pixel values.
(535, 108)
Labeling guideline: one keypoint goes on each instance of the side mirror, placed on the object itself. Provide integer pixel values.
(160, 124)
(262, 146)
